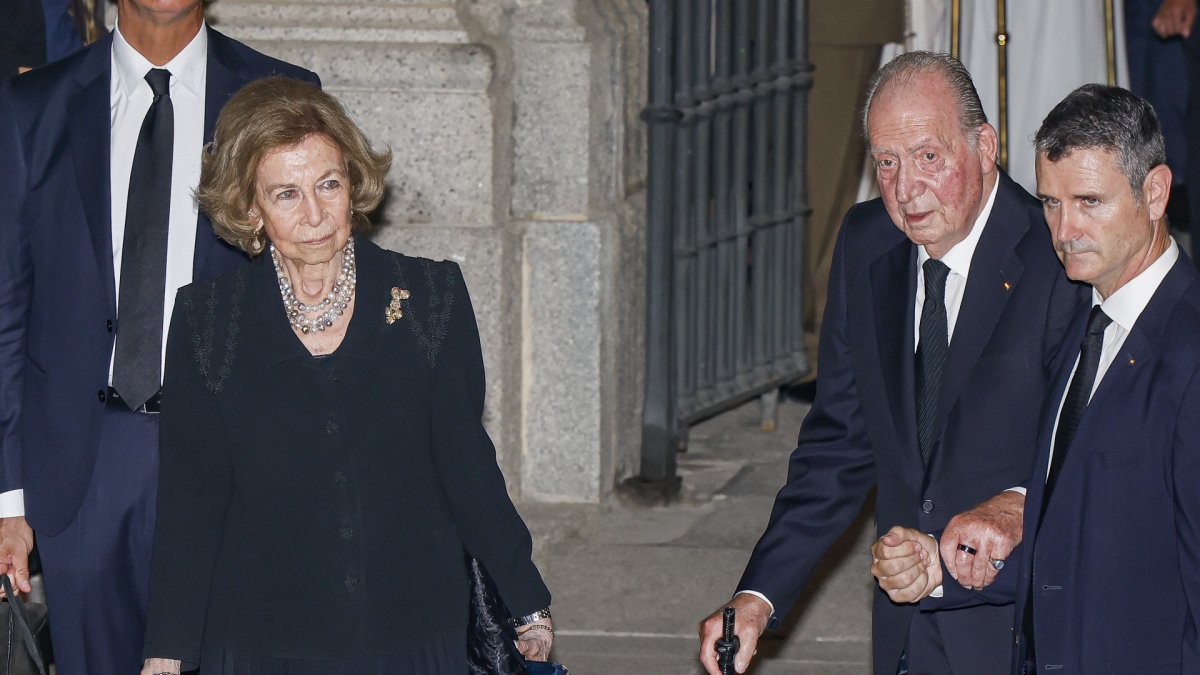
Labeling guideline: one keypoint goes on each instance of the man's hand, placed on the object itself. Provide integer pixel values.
(993, 529)
(752, 615)
(905, 563)
(16, 541)
(1174, 17)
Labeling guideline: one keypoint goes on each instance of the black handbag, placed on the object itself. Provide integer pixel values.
(27, 633)
(491, 638)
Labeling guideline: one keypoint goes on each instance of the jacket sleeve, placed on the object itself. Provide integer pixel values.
(194, 484)
(832, 469)
(16, 288)
(488, 523)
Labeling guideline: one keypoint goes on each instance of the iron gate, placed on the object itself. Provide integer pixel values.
(727, 211)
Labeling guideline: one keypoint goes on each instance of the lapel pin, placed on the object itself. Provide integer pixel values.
(1007, 286)
(394, 311)
(1131, 361)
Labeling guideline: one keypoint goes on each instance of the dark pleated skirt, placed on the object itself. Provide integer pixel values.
(445, 655)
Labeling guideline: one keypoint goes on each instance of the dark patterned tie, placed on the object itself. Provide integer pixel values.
(1078, 394)
(931, 354)
(138, 357)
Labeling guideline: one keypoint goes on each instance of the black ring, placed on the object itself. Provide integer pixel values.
(967, 549)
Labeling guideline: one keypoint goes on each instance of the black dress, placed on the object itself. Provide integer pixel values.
(313, 512)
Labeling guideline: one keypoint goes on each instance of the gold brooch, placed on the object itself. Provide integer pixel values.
(393, 311)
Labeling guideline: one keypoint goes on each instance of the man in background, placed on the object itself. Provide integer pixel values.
(1109, 578)
(98, 228)
(946, 306)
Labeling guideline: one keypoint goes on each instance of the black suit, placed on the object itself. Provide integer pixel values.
(1116, 562)
(318, 508)
(1114, 577)
(861, 432)
(58, 441)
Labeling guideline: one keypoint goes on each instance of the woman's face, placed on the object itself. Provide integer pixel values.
(302, 199)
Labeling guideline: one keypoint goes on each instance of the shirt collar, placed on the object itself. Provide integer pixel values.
(958, 258)
(187, 68)
(1126, 303)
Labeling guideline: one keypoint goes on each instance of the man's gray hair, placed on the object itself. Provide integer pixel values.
(1097, 116)
(904, 68)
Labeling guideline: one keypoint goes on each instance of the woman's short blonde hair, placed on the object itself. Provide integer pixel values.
(272, 114)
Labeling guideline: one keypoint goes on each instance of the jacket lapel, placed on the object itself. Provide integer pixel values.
(372, 295)
(1137, 353)
(222, 80)
(90, 138)
(1062, 369)
(893, 283)
(995, 271)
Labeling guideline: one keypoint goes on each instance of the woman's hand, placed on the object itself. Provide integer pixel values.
(159, 666)
(534, 640)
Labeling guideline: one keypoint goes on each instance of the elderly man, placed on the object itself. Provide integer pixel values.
(946, 307)
(99, 154)
(1109, 579)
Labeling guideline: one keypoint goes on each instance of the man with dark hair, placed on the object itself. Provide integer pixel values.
(946, 307)
(98, 228)
(1110, 573)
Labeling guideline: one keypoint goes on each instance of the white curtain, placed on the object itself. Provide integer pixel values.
(1053, 47)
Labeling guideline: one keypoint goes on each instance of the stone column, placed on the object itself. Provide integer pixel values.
(518, 154)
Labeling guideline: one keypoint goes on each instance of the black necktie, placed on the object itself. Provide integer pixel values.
(137, 361)
(1079, 393)
(931, 354)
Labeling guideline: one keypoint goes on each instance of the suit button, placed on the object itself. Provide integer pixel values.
(351, 582)
(331, 427)
(100, 394)
(927, 506)
(339, 477)
(108, 325)
(346, 533)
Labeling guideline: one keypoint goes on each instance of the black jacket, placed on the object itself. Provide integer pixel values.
(319, 508)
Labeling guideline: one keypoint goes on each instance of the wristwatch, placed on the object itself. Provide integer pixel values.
(543, 613)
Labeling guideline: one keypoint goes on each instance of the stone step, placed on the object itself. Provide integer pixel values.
(309, 20)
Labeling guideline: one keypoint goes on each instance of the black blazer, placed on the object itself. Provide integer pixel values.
(57, 295)
(1116, 562)
(319, 507)
(861, 431)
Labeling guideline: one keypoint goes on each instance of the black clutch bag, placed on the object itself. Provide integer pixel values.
(27, 633)
(491, 638)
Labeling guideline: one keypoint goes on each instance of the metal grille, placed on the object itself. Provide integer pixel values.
(727, 212)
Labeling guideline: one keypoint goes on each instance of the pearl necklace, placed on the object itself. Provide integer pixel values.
(334, 304)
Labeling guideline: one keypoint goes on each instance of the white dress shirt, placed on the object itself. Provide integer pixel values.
(130, 98)
(1124, 307)
(958, 259)
(129, 101)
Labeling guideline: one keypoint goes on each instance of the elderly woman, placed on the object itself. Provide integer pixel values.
(324, 465)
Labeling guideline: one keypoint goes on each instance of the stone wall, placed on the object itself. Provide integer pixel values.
(520, 155)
